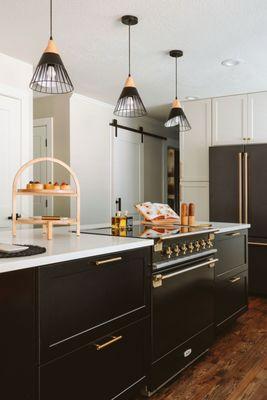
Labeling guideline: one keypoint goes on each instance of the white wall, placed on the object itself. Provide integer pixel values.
(15, 76)
(57, 107)
(90, 153)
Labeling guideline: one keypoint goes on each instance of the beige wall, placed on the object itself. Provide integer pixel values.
(57, 107)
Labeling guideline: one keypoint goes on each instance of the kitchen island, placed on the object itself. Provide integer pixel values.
(75, 321)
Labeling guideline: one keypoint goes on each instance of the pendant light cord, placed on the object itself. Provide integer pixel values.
(51, 20)
(129, 50)
(176, 83)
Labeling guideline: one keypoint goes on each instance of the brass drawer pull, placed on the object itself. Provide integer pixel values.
(234, 234)
(234, 280)
(109, 343)
(109, 260)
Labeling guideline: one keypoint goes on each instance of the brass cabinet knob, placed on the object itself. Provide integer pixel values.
(203, 244)
(191, 247)
(169, 251)
(177, 250)
(197, 245)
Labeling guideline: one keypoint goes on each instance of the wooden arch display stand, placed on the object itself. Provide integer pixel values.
(47, 224)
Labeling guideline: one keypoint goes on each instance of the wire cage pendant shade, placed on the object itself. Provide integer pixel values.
(50, 75)
(177, 116)
(129, 103)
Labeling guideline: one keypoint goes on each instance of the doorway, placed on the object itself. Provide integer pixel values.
(43, 172)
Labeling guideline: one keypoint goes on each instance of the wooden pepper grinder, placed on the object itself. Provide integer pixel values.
(184, 214)
(192, 213)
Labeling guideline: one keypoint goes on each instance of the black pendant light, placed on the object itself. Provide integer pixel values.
(177, 116)
(50, 75)
(130, 103)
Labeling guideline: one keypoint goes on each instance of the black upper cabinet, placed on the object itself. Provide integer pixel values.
(223, 166)
(83, 299)
(17, 335)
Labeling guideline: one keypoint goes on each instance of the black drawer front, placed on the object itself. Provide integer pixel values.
(80, 300)
(231, 297)
(102, 374)
(231, 251)
(168, 366)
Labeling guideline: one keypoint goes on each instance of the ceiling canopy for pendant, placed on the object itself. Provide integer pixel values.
(130, 103)
(50, 75)
(177, 116)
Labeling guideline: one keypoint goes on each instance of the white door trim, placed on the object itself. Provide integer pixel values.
(26, 134)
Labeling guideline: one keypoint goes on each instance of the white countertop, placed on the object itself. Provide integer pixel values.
(63, 247)
(67, 246)
(224, 227)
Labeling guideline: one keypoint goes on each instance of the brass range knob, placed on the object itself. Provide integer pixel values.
(177, 250)
(169, 251)
(209, 243)
(191, 247)
(184, 248)
(197, 245)
(203, 244)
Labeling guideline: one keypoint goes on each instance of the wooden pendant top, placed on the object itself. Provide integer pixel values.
(176, 103)
(51, 47)
(129, 82)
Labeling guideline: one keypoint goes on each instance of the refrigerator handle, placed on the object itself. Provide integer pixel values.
(240, 189)
(245, 188)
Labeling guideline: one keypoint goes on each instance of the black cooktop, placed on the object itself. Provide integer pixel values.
(142, 231)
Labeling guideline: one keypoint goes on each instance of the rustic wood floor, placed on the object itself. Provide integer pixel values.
(234, 369)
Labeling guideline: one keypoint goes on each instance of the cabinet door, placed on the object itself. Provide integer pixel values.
(17, 335)
(229, 120)
(194, 145)
(198, 193)
(257, 122)
(99, 373)
(224, 183)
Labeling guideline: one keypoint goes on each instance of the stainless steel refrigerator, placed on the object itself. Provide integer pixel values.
(238, 193)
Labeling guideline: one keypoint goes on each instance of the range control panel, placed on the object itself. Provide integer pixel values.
(170, 248)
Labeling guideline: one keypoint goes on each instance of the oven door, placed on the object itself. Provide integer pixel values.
(183, 304)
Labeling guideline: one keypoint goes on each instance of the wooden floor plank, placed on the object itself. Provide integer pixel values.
(234, 369)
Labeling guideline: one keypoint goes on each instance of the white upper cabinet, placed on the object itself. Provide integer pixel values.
(194, 146)
(229, 120)
(257, 117)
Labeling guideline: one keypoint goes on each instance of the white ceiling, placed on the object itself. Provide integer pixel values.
(93, 45)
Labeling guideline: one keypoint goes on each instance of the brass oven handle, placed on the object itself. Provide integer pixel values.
(157, 279)
(109, 343)
(233, 234)
(234, 280)
(240, 209)
(107, 261)
(246, 187)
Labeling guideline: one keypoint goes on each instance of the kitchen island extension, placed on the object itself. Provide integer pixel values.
(66, 339)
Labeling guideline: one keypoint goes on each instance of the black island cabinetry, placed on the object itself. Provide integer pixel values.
(231, 277)
(85, 328)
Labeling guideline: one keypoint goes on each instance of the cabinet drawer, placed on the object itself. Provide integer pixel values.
(175, 361)
(231, 297)
(87, 298)
(99, 373)
(231, 251)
